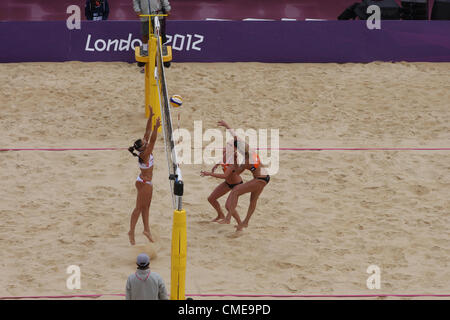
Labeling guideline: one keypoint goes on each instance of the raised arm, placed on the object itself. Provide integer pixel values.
(152, 141)
(148, 128)
(222, 123)
(240, 144)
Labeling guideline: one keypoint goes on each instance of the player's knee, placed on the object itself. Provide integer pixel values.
(212, 199)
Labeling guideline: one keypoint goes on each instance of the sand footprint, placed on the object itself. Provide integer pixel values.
(419, 190)
(234, 235)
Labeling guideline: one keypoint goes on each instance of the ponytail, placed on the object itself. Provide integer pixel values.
(136, 146)
(131, 149)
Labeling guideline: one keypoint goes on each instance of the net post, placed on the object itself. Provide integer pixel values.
(179, 244)
(151, 84)
(178, 259)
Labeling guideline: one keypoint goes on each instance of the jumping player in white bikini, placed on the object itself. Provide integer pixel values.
(144, 184)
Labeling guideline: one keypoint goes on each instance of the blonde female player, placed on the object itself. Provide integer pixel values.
(232, 179)
(254, 186)
(144, 184)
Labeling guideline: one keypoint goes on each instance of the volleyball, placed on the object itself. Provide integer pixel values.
(176, 101)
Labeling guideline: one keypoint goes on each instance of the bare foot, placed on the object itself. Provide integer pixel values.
(148, 235)
(224, 221)
(131, 237)
(218, 218)
(239, 227)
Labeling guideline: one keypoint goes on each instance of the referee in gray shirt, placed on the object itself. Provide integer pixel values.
(145, 284)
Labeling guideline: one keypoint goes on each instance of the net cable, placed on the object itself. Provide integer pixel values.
(175, 177)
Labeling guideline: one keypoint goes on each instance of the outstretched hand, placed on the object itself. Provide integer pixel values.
(157, 123)
(205, 174)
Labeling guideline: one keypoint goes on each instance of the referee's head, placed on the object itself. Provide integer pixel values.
(143, 261)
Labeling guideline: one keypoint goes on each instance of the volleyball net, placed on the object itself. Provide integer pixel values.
(175, 177)
(179, 241)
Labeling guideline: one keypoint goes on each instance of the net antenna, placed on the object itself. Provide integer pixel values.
(175, 177)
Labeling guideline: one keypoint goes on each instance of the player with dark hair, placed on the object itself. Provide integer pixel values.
(144, 184)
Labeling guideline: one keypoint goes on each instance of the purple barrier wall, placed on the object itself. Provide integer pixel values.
(217, 41)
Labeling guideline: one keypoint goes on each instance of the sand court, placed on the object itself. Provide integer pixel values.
(322, 220)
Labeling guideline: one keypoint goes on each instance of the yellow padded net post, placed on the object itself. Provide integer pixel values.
(160, 93)
(151, 86)
(178, 262)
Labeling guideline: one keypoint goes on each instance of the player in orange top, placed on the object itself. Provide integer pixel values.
(254, 186)
(232, 179)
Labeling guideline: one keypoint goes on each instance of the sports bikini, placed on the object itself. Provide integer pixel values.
(256, 161)
(256, 166)
(231, 186)
(266, 178)
(147, 165)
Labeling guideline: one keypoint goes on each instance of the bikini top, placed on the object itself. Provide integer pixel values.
(147, 165)
(256, 162)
